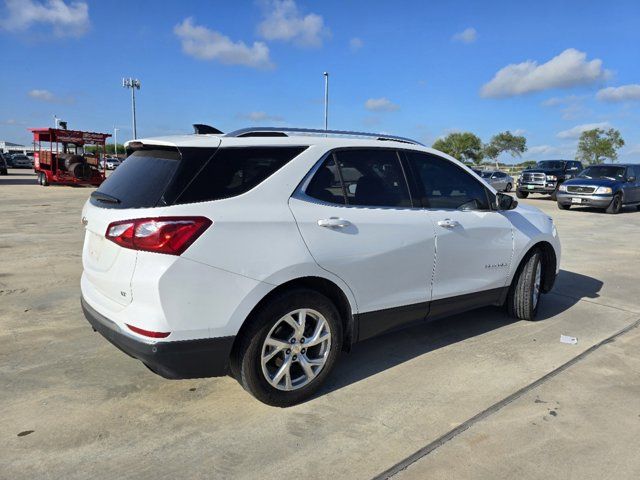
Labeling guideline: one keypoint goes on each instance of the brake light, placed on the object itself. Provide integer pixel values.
(169, 235)
(148, 333)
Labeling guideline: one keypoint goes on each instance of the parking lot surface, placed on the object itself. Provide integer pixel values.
(73, 406)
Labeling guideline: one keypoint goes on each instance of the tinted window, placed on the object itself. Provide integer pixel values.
(445, 185)
(233, 171)
(325, 184)
(551, 164)
(140, 181)
(373, 177)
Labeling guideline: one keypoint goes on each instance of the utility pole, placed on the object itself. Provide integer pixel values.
(115, 140)
(133, 84)
(326, 100)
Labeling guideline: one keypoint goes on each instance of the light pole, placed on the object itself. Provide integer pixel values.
(133, 84)
(326, 100)
(115, 140)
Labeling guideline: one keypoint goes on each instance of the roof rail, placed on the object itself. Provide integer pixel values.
(282, 132)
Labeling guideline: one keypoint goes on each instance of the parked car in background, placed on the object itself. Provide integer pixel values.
(609, 187)
(501, 181)
(21, 161)
(3, 165)
(265, 252)
(546, 177)
(111, 163)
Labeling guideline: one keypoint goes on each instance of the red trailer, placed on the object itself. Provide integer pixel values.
(59, 156)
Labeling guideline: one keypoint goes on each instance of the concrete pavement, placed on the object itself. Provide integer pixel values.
(75, 407)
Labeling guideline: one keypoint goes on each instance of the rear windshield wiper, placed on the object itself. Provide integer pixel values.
(103, 197)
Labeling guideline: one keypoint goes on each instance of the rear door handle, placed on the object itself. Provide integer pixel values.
(333, 222)
(448, 223)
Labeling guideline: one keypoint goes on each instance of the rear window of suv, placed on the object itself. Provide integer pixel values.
(154, 177)
(233, 171)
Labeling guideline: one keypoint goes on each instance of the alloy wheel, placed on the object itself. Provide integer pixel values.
(296, 349)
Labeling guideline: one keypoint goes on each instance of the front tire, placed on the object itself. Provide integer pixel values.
(616, 204)
(563, 207)
(523, 299)
(554, 195)
(289, 347)
(508, 187)
(520, 194)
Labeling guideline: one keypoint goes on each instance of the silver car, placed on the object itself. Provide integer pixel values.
(501, 181)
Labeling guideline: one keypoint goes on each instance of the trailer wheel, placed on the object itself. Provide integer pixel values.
(43, 179)
(81, 171)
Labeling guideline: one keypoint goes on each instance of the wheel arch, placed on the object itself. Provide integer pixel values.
(320, 284)
(549, 263)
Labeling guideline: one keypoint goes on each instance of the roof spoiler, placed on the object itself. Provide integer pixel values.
(202, 129)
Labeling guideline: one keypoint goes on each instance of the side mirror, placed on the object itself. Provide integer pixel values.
(631, 179)
(505, 202)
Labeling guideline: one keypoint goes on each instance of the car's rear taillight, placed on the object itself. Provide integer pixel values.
(170, 235)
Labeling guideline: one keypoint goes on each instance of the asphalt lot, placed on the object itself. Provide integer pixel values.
(73, 406)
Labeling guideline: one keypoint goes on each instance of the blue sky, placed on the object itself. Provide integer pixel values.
(417, 69)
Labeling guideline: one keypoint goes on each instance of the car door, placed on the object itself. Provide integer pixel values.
(632, 188)
(356, 216)
(474, 243)
(497, 181)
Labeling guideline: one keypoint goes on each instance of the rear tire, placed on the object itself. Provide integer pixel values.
(524, 295)
(616, 204)
(520, 194)
(263, 350)
(563, 207)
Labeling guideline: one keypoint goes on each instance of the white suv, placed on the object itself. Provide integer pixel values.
(265, 252)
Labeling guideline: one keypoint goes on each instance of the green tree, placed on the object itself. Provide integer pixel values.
(597, 145)
(505, 142)
(464, 146)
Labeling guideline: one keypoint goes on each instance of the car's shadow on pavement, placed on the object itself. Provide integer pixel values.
(386, 351)
(7, 180)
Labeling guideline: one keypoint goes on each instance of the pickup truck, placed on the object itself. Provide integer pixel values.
(546, 177)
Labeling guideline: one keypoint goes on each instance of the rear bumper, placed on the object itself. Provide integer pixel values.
(597, 201)
(207, 357)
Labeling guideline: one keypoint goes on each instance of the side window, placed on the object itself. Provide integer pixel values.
(233, 171)
(373, 178)
(325, 184)
(445, 185)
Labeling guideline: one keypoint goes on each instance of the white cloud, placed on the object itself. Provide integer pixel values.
(260, 116)
(542, 150)
(468, 35)
(578, 129)
(381, 105)
(44, 95)
(519, 131)
(283, 21)
(11, 122)
(205, 44)
(355, 44)
(619, 94)
(572, 106)
(568, 69)
(67, 20)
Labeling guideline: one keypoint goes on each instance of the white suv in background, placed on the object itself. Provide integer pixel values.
(265, 252)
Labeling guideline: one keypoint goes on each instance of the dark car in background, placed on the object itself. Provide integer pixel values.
(3, 165)
(546, 177)
(608, 187)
